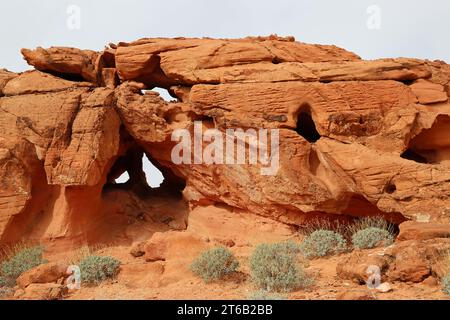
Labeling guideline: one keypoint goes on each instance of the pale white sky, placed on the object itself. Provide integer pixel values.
(407, 28)
(414, 28)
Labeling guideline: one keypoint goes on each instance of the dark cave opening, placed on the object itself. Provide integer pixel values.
(357, 211)
(391, 188)
(138, 172)
(67, 76)
(108, 59)
(306, 126)
(410, 154)
(360, 208)
(431, 145)
(141, 192)
(154, 176)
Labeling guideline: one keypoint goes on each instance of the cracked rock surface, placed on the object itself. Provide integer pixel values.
(356, 137)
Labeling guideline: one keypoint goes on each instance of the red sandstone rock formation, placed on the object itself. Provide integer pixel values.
(356, 137)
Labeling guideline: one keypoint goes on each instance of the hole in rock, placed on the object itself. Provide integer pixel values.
(204, 119)
(153, 76)
(143, 188)
(163, 93)
(306, 126)
(109, 60)
(356, 211)
(150, 199)
(68, 76)
(127, 169)
(407, 82)
(124, 177)
(360, 207)
(410, 154)
(136, 171)
(153, 175)
(431, 145)
(276, 60)
(391, 188)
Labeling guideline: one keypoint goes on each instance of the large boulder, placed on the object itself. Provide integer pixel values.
(356, 137)
(404, 261)
(45, 273)
(412, 230)
(359, 265)
(42, 291)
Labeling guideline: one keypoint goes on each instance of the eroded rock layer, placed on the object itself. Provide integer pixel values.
(356, 137)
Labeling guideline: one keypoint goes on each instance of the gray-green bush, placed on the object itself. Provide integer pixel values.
(214, 264)
(372, 237)
(22, 261)
(3, 281)
(446, 284)
(95, 269)
(322, 243)
(7, 282)
(275, 267)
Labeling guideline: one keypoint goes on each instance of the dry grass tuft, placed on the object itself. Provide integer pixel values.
(347, 228)
(79, 254)
(9, 251)
(369, 222)
(322, 224)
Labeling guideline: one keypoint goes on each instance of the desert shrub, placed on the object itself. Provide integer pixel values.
(372, 237)
(95, 269)
(322, 223)
(214, 264)
(321, 243)
(265, 295)
(370, 222)
(7, 282)
(446, 284)
(275, 267)
(20, 262)
(3, 281)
